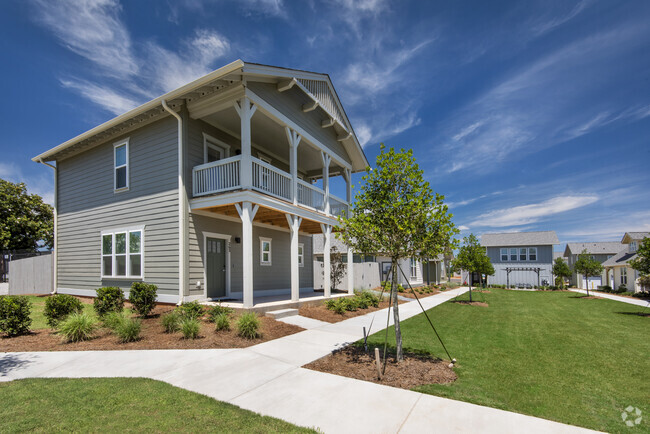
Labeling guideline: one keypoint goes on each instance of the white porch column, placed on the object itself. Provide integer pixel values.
(350, 271)
(327, 159)
(327, 266)
(294, 141)
(347, 174)
(247, 213)
(294, 224)
(246, 109)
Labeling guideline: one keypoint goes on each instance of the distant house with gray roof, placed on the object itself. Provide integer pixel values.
(618, 271)
(600, 251)
(521, 259)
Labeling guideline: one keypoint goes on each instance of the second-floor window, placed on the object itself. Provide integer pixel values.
(513, 254)
(633, 246)
(532, 253)
(214, 149)
(522, 254)
(504, 255)
(121, 165)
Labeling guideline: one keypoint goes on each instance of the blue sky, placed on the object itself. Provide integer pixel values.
(525, 115)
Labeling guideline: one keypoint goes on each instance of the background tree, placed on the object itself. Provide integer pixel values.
(587, 266)
(24, 219)
(472, 258)
(642, 263)
(561, 271)
(485, 268)
(397, 213)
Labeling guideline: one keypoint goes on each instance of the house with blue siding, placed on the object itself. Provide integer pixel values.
(599, 251)
(211, 191)
(521, 259)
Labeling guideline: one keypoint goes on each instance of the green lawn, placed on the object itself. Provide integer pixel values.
(120, 405)
(38, 305)
(549, 354)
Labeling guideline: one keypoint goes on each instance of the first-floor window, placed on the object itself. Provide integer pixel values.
(122, 253)
(301, 255)
(265, 251)
(532, 253)
(504, 255)
(414, 268)
(623, 276)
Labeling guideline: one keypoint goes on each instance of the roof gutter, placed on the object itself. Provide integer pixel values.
(56, 230)
(182, 236)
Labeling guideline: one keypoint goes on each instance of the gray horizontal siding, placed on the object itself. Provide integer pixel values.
(274, 277)
(289, 103)
(88, 205)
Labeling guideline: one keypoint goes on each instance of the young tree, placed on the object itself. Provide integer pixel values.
(337, 267)
(471, 257)
(587, 266)
(485, 268)
(561, 271)
(642, 263)
(24, 219)
(397, 213)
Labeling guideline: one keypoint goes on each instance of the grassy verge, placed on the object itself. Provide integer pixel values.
(121, 405)
(549, 354)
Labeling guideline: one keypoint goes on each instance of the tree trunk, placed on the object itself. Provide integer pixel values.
(469, 282)
(398, 332)
(587, 284)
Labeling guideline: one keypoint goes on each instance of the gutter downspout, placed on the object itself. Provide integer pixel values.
(55, 246)
(181, 207)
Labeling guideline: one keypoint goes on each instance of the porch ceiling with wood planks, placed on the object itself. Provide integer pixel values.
(268, 216)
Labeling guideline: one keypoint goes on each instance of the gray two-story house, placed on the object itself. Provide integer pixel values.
(599, 251)
(521, 259)
(211, 191)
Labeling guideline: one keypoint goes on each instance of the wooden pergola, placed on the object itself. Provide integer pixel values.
(509, 269)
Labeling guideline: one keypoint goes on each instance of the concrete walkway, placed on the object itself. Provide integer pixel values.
(268, 379)
(628, 300)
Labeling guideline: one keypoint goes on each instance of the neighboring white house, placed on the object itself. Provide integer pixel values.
(618, 271)
(600, 251)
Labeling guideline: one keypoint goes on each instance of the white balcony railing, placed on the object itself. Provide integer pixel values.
(311, 196)
(225, 175)
(217, 177)
(271, 180)
(337, 206)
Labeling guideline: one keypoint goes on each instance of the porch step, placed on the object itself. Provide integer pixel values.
(281, 313)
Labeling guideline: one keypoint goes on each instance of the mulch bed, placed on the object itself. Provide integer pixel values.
(321, 313)
(153, 336)
(471, 303)
(414, 371)
(408, 294)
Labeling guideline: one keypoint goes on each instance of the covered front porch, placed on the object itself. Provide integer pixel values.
(255, 251)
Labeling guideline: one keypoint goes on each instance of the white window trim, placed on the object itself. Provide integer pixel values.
(116, 145)
(510, 249)
(270, 252)
(531, 249)
(209, 141)
(624, 276)
(413, 262)
(112, 232)
(525, 249)
(301, 257)
(503, 249)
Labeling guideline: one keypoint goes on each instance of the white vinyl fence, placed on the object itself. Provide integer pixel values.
(366, 276)
(33, 275)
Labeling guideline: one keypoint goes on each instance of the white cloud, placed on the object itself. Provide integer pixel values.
(92, 29)
(463, 228)
(104, 97)
(550, 24)
(527, 214)
(267, 7)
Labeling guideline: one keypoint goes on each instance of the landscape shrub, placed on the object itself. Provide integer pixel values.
(128, 329)
(336, 305)
(112, 320)
(621, 289)
(350, 304)
(15, 313)
(190, 310)
(190, 327)
(222, 322)
(77, 327)
(642, 294)
(171, 322)
(59, 306)
(216, 311)
(143, 297)
(370, 298)
(109, 299)
(361, 302)
(248, 326)
(605, 288)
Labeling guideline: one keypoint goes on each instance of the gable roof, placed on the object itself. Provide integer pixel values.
(596, 248)
(631, 236)
(519, 239)
(317, 86)
(620, 259)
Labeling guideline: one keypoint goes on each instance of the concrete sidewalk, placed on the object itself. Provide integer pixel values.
(635, 301)
(268, 379)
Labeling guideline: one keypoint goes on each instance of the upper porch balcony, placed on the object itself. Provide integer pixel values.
(227, 175)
